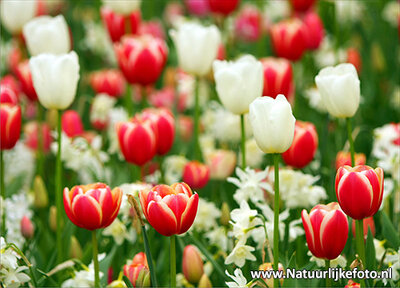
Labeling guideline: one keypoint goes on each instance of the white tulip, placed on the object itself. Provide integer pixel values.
(46, 34)
(273, 123)
(238, 83)
(15, 13)
(196, 46)
(124, 7)
(339, 87)
(55, 78)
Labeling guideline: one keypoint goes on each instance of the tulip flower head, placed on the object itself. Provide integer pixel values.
(223, 7)
(326, 229)
(8, 95)
(359, 190)
(248, 24)
(170, 209)
(71, 123)
(10, 120)
(196, 174)
(344, 158)
(192, 264)
(14, 14)
(92, 206)
(110, 82)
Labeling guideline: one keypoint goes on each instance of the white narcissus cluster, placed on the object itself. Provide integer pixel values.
(101, 107)
(254, 155)
(173, 166)
(117, 114)
(207, 216)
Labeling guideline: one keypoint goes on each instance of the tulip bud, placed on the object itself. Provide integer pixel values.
(7, 95)
(75, 249)
(192, 264)
(204, 282)
(41, 200)
(110, 82)
(268, 266)
(10, 82)
(72, 123)
(339, 87)
(326, 229)
(140, 258)
(248, 24)
(138, 274)
(353, 57)
(289, 39)
(304, 145)
(225, 214)
(223, 7)
(273, 123)
(196, 174)
(53, 218)
(344, 158)
(368, 224)
(359, 190)
(27, 228)
(24, 75)
(221, 163)
(314, 30)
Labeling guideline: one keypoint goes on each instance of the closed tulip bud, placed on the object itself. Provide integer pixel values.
(368, 224)
(204, 282)
(140, 258)
(248, 24)
(7, 95)
(314, 30)
(41, 199)
(14, 14)
(118, 24)
(268, 266)
(339, 88)
(344, 158)
(225, 214)
(223, 7)
(52, 73)
(10, 123)
(92, 206)
(25, 78)
(206, 40)
(27, 228)
(53, 218)
(192, 264)
(71, 123)
(353, 57)
(138, 274)
(196, 174)
(326, 229)
(302, 5)
(359, 190)
(159, 207)
(278, 78)
(47, 34)
(289, 39)
(238, 83)
(273, 123)
(221, 163)
(304, 145)
(137, 140)
(110, 82)
(141, 58)
(75, 249)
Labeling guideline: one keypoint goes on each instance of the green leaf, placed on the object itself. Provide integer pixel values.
(127, 282)
(370, 252)
(105, 264)
(390, 232)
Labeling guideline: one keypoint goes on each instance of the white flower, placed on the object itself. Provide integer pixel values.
(339, 261)
(254, 155)
(238, 83)
(272, 122)
(55, 78)
(243, 220)
(124, 7)
(339, 87)
(129, 189)
(217, 236)
(47, 34)
(196, 46)
(379, 249)
(186, 90)
(391, 12)
(207, 216)
(117, 114)
(251, 185)
(328, 55)
(101, 107)
(173, 167)
(276, 10)
(393, 260)
(347, 11)
(207, 144)
(239, 281)
(240, 254)
(83, 278)
(119, 232)
(14, 278)
(14, 14)
(314, 98)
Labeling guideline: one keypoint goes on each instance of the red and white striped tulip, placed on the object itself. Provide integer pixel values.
(10, 120)
(196, 174)
(326, 229)
(7, 95)
(25, 78)
(92, 206)
(108, 81)
(359, 190)
(138, 274)
(71, 123)
(248, 24)
(344, 158)
(221, 163)
(170, 209)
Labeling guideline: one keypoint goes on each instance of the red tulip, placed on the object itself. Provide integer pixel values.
(326, 229)
(7, 95)
(368, 223)
(221, 163)
(353, 57)
(196, 174)
(138, 274)
(27, 228)
(140, 258)
(359, 190)
(11, 83)
(197, 7)
(302, 5)
(72, 123)
(25, 78)
(289, 39)
(10, 116)
(351, 283)
(248, 24)
(278, 78)
(110, 82)
(192, 264)
(314, 30)
(141, 58)
(224, 7)
(137, 140)
(304, 145)
(31, 131)
(344, 158)
(164, 127)
(154, 28)
(15, 57)
(92, 206)
(170, 209)
(163, 98)
(119, 25)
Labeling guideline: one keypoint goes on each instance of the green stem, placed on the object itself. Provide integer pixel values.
(360, 240)
(197, 150)
(160, 163)
(3, 194)
(95, 260)
(173, 261)
(128, 99)
(276, 217)
(149, 258)
(58, 191)
(39, 151)
(144, 97)
(327, 266)
(351, 142)
(243, 141)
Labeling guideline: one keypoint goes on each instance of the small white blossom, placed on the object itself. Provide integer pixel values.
(173, 167)
(240, 254)
(254, 155)
(101, 107)
(218, 237)
(119, 232)
(207, 216)
(129, 189)
(339, 261)
(116, 115)
(239, 281)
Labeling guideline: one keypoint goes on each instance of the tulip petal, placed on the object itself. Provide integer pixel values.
(161, 217)
(308, 229)
(177, 203)
(333, 234)
(189, 214)
(88, 211)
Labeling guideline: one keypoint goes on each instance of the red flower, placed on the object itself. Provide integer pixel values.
(224, 7)
(92, 206)
(10, 119)
(110, 82)
(304, 145)
(25, 78)
(353, 57)
(192, 264)
(196, 174)
(141, 58)
(7, 95)
(170, 209)
(359, 190)
(314, 30)
(344, 158)
(72, 123)
(326, 230)
(31, 131)
(302, 5)
(248, 24)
